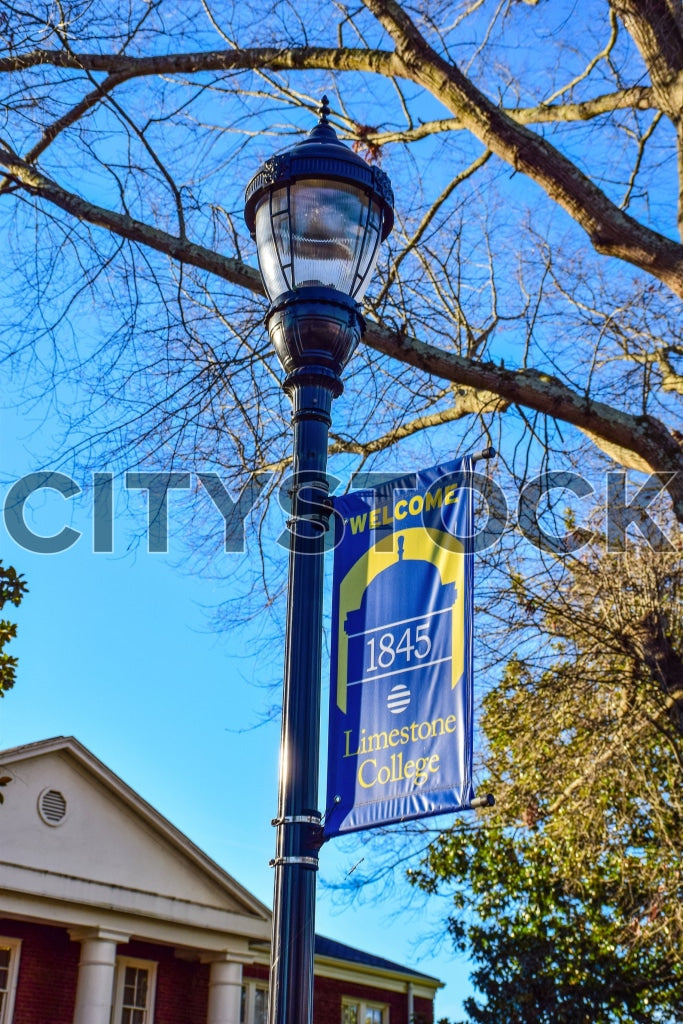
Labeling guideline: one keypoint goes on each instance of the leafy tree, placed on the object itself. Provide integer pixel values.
(569, 894)
(12, 589)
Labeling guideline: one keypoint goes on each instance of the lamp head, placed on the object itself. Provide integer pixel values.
(318, 213)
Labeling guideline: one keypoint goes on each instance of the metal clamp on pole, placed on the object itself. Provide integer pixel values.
(299, 819)
(314, 836)
(312, 503)
(306, 862)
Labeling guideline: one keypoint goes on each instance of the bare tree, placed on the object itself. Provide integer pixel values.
(130, 130)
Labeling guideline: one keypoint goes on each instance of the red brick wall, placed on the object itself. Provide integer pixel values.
(48, 969)
(255, 972)
(328, 994)
(424, 1010)
(48, 973)
(182, 990)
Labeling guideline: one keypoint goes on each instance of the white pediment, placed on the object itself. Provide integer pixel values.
(72, 831)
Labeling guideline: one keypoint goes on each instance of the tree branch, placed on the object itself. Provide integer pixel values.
(657, 32)
(468, 402)
(257, 58)
(643, 436)
(39, 185)
(612, 232)
(639, 97)
(122, 67)
(611, 429)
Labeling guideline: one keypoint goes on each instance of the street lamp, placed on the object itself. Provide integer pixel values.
(318, 213)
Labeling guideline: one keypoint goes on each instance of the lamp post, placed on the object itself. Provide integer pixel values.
(318, 213)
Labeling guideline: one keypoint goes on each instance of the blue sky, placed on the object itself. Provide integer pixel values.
(119, 650)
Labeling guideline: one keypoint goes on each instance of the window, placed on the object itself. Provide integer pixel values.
(254, 1006)
(9, 972)
(135, 984)
(357, 1012)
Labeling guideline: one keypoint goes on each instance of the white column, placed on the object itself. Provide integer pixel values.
(225, 990)
(96, 968)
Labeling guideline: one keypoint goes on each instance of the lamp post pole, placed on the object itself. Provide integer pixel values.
(318, 213)
(299, 831)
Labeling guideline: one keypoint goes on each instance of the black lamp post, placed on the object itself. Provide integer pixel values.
(318, 213)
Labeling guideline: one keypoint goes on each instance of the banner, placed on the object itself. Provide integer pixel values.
(400, 728)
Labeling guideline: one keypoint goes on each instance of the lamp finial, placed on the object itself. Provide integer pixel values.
(324, 110)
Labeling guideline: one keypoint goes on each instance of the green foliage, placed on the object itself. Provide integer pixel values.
(12, 589)
(568, 895)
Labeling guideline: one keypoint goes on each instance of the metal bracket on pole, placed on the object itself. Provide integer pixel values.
(485, 453)
(482, 801)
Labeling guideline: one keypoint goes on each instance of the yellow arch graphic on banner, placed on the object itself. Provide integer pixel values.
(420, 544)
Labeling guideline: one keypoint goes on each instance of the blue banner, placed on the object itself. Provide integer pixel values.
(400, 729)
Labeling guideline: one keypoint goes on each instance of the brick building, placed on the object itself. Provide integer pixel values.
(110, 915)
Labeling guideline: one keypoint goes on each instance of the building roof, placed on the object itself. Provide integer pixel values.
(103, 884)
(70, 746)
(340, 951)
(114, 850)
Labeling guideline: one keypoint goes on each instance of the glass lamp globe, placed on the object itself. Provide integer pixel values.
(318, 213)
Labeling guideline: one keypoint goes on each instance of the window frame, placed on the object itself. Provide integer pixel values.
(14, 946)
(250, 986)
(363, 1006)
(119, 983)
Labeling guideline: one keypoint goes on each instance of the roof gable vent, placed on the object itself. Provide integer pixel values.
(52, 806)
